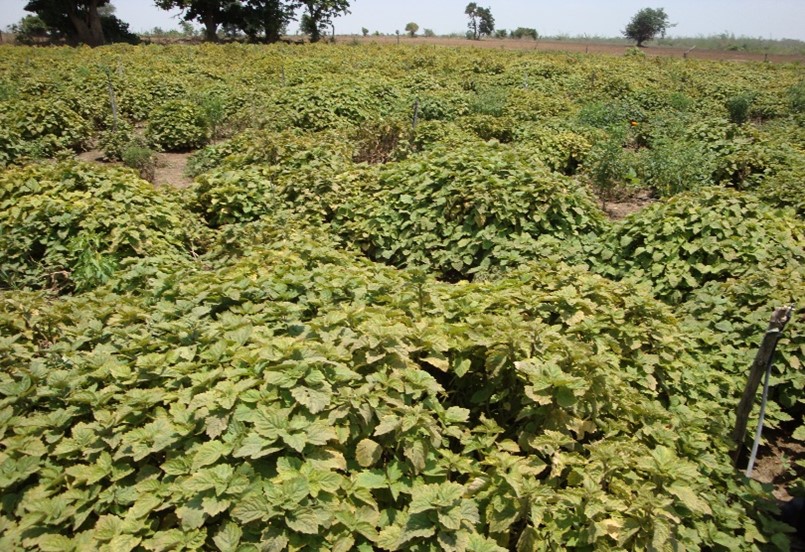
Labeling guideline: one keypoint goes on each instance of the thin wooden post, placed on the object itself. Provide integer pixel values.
(112, 100)
(689, 50)
(762, 362)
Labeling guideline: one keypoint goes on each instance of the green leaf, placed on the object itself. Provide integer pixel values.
(228, 537)
(124, 543)
(306, 522)
(313, 399)
(689, 498)
(54, 543)
(368, 452)
(456, 415)
(374, 479)
(208, 453)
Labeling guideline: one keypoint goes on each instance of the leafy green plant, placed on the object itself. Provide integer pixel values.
(469, 416)
(113, 142)
(670, 166)
(451, 210)
(177, 125)
(561, 150)
(739, 107)
(137, 155)
(226, 196)
(51, 124)
(691, 239)
(67, 226)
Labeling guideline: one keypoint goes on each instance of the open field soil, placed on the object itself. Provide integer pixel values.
(357, 296)
(578, 47)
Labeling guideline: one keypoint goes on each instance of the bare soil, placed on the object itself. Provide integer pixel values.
(777, 462)
(170, 169)
(577, 48)
(621, 207)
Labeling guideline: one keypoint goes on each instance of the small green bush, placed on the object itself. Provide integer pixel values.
(114, 141)
(66, 226)
(138, 156)
(224, 196)
(456, 210)
(739, 107)
(177, 125)
(51, 124)
(712, 235)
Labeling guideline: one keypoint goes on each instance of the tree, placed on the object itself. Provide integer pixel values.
(525, 32)
(30, 30)
(210, 13)
(411, 28)
(75, 20)
(364, 32)
(646, 24)
(267, 17)
(319, 15)
(481, 21)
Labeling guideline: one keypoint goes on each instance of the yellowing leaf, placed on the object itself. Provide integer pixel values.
(368, 452)
(228, 537)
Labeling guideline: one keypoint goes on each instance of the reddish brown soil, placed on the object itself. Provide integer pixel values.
(777, 462)
(170, 169)
(578, 47)
(621, 207)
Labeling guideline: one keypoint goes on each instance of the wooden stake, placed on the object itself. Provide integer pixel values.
(779, 319)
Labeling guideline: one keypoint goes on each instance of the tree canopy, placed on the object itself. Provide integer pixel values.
(210, 13)
(319, 15)
(647, 24)
(90, 22)
(268, 18)
(411, 28)
(481, 23)
(74, 20)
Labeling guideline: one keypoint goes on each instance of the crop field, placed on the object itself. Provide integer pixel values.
(393, 310)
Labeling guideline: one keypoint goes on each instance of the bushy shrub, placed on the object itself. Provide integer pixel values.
(114, 141)
(138, 156)
(289, 148)
(299, 396)
(487, 127)
(671, 166)
(561, 150)
(12, 146)
(177, 125)
(50, 124)
(56, 219)
(451, 210)
(708, 236)
(224, 196)
(739, 107)
(728, 318)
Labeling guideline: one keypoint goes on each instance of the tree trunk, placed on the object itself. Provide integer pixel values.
(315, 35)
(89, 30)
(95, 27)
(81, 28)
(210, 28)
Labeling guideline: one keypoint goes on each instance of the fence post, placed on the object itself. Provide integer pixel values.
(761, 365)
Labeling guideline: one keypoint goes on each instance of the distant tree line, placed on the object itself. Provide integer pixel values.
(93, 22)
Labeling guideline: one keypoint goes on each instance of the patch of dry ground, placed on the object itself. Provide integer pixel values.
(577, 47)
(170, 169)
(620, 208)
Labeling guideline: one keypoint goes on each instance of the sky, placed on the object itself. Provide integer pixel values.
(754, 18)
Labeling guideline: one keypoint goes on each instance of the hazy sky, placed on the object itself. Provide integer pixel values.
(755, 18)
